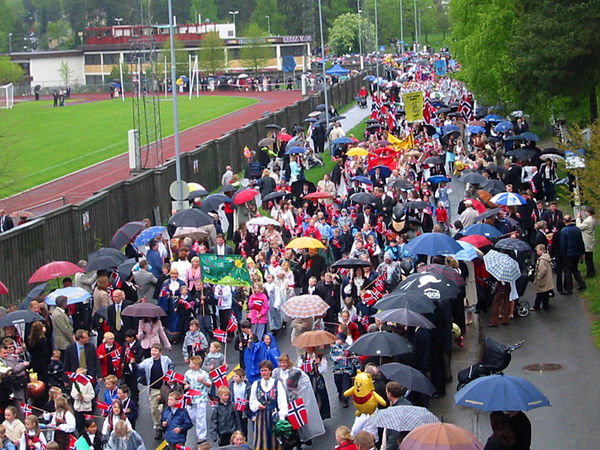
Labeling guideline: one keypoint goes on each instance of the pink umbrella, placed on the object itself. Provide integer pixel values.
(55, 269)
(3, 288)
(245, 196)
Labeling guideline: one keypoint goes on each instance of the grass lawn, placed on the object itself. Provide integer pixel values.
(42, 143)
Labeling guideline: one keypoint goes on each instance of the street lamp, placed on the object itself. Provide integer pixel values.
(268, 25)
(421, 20)
(324, 74)
(118, 20)
(359, 30)
(10, 35)
(377, 45)
(402, 26)
(233, 14)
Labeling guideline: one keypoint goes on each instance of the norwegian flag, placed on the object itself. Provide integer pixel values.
(173, 377)
(116, 356)
(219, 376)
(190, 394)
(308, 365)
(104, 407)
(72, 442)
(297, 415)
(365, 321)
(370, 297)
(26, 409)
(79, 377)
(428, 110)
(232, 325)
(220, 335)
(343, 272)
(240, 404)
(182, 447)
(115, 279)
(187, 305)
(88, 417)
(466, 108)
(183, 402)
(197, 347)
(379, 283)
(391, 119)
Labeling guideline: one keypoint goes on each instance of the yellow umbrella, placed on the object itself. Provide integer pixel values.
(305, 242)
(357, 151)
(195, 186)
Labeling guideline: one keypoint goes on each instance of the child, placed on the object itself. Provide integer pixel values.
(13, 426)
(241, 394)
(214, 358)
(344, 439)
(109, 354)
(116, 415)
(258, 304)
(243, 340)
(110, 393)
(92, 436)
(129, 406)
(223, 421)
(33, 439)
(441, 215)
(195, 342)
(175, 421)
(53, 393)
(349, 307)
(56, 370)
(63, 421)
(238, 440)
(5, 440)
(185, 307)
(82, 394)
(198, 379)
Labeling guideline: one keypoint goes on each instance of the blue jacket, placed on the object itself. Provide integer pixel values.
(155, 262)
(571, 242)
(178, 419)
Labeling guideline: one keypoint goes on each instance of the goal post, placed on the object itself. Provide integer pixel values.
(7, 96)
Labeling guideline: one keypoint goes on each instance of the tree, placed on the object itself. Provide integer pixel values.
(588, 177)
(59, 34)
(276, 17)
(10, 72)
(65, 72)
(207, 8)
(254, 54)
(116, 75)
(181, 58)
(211, 56)
(344, 33)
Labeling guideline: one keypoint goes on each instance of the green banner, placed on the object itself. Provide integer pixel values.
(224, 270)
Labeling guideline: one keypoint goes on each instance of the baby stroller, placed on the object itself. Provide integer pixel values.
(496, 358)
(361, 101)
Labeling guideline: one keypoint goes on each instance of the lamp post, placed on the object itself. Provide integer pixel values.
(268, 25)
(359, 33)
(233, 14)
(10, 35)
(377, 45)
(324, 74)
(401, 26)
(118, 20)
(416, 26)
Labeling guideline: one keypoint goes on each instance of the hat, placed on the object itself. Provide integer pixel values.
(341, 336)
(388, 255)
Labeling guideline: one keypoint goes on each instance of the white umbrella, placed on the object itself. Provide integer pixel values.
(263, 221)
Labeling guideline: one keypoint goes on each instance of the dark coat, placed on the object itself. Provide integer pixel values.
(128, 322)
(571, 242)
(223, 420)
(178, 419)
(91, 358)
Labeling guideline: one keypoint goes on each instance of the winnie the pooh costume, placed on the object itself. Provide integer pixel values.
(363, 394)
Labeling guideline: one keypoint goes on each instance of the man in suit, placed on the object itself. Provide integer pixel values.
(117, 322)
(539, 212)
(514, 175)
(326, 185)
(6, 222)
(367, 216)
(61, 326)
(221, 249)
(82, 354)
(145, 281)
(385, 204)
(131, 355)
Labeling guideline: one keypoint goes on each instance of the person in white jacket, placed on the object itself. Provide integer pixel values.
(63, 421)
(82, 395)
(588, 232)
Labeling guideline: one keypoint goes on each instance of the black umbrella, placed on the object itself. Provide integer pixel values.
(126, 233)
(228, 188)
(212, 202)
(102, 263)
(522, 154)
(336, 118)
(372, 121)
(197, 193)
(447, 272)
(404, 316)
(297, 187)
(321, 107)
(401, 183)
(20, 317)
(374, 127)
(497, 169)
(35, 292)
(413, 301)
(381, 343)
(433, 160)
(190, 218)
(265, 142)
(408, 377)
(432, 286)
(350, 263)
(553, 151)
(473, 178)
(419, 204)
(363, 197)
(450, 134)
(513, 244)
(273, 126)
(311, 120)
(443, 110)
(117, 256)
(489, 213)
(494, 186)
(430, 129)
(274, 195)
(125, 268)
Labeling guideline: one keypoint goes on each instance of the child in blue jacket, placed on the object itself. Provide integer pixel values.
(175, 421)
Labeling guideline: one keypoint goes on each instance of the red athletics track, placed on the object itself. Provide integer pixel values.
(84, 183)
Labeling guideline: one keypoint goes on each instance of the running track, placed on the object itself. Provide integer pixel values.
(84, 183)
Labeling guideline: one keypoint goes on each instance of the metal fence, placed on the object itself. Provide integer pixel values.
(72, 232)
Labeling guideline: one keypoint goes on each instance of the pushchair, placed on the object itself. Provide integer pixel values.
(361, 101)
(496, 358)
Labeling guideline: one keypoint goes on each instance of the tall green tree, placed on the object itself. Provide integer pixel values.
(344, 34)
(211, 56)
(269, 8)
(59, 34)
(10, 72)
(255, 54)
(206, 8)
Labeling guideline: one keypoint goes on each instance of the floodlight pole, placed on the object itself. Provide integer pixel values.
(174, 92)
(377, 46)
(121, 77)
(324, 74)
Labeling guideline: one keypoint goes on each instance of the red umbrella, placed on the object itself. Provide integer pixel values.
(476, 240)
(55, 269)
(284, 137)
(480, 207)
(3, 288)
(317, 195)
(245, 196)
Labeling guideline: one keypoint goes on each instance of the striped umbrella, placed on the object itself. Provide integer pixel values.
(305, 306)
(508, 199)
(404, 417)
(501, 266)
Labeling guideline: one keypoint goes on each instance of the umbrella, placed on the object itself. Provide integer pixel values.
(468, 253)
(489, 213)
(404, 417)
(479, 207)
(315, 114)
(432, 244)
(74, 295)
(432, 286)
(448, 135)
(380, 343)
(433, 160)
(529, 136)
(350, 263)
(263, 221)
(482, 229)
(555, 158)
(295, 150)
(244, 196)
(305, 306)
(374, 127)
(497, 169)
(362, 179)
(148, 234)
(274, 195)
(196, 233)
(408, 377)
(321, 107)
(513, 244)
(522, 154)
(508, 199)
(311, 120)
(126, 233)
(342, 141)
(357, 151)
(144, 310)
(305, 242)
(102, 312)
(126, 267)
(430, 129)
(447, 272)
(227, 188)
(553, 151)
(314, 338)
(475, 129)
(514, 138)
(404, 316)
(265, 142)
(190, 218)
(284, 137)
(417, 205)
(117, 256)
(403, 184)
(318, 195)
(363, 198)
(501, 266)
(494, 186)
(20, 317)
(103, 263)
(55, 269)
(503, 127)
(197, 193)
(473, 178)
(192, 186)
(3, 288)
(492, 118)
(476, 240)
(212, 202)
(35, 292)
(436, 179)
(440, 436)
(501, 393)
(273, 126)
(403, 299)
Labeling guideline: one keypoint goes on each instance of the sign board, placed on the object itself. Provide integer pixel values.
(440, 67)
(574, 159)
(174, 190)
(413, 105)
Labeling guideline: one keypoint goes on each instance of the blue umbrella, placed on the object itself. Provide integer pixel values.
(362, 179)
(508, 199)
(148, 234)
(369, 78)
(501, 393)
(475, 129)
(503, 127)
(468, 253)
(433, 244)
(311, 119)
(436, 179)
(73, 294)
(35, 292)
(518, 137)
(295, 150)
(343, 140)
(493, 118)
(482, 229)
(385, 171)
(449, 128)
(529, 136)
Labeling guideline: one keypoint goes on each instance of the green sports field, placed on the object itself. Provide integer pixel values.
(40, 143)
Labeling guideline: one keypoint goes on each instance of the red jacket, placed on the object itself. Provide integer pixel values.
(104, 360)
(346, 445)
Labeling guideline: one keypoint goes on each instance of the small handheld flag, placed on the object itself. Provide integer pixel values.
(297, 415)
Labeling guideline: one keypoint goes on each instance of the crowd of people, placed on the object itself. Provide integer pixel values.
(386, 189)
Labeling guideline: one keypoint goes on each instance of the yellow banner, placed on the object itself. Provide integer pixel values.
(413, 105)
(401, 144)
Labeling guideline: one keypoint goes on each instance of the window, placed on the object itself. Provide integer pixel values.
(111, 58)
(92, 60)
(293, 50)
(93, 80)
